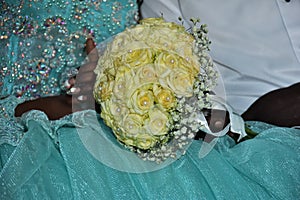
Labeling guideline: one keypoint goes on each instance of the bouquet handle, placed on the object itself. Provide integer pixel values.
(235, 125)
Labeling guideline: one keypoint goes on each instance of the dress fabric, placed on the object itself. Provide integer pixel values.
(43, 159)
(51, 162)
(42, 45)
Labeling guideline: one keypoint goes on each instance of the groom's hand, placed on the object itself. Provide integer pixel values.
(279, 107)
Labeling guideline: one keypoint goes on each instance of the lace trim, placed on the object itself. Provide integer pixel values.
(11, 131)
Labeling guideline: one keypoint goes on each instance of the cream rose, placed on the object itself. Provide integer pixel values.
(156, 124)
(114, 110)
(137, 58)
(164, 64)
(123, 79)
(180, 81)
(132, 125)
(142, 100)
(145, 141)
(119, 43)
(145, 75)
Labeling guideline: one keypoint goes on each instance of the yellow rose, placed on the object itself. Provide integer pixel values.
(152, 21)
(180, 81)
(106, 115)
(120, 41)
(107, 119)
(156, 124)
(145, 141)
(175, 27)
(194, 65)
(139, 32)
(142, 100)
(164, 97)
(114, 110)
(161, 38)
(103, 90)
(117, 62)
(169, 37)
(189, 65)
(131, 125)
(164, 63)
(130, 85)
(184, 44)
(118, 110)
(122, 80)
(160, 22)
(145, 75)
(138, 57)
(129, 142)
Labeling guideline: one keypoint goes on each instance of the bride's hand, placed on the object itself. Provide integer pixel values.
(55, 107)
(79, 97)
(81, 88)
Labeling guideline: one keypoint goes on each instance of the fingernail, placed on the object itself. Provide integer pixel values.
(219, 124)
(72, 81)
(81, 98)
(89, 36)
(67, 84)
(73, 90)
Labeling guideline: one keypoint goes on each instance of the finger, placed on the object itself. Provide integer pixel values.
(88, 67)
(87, 89)
(84, 90)
(218, 120)
(72, 81)
(84, 98)
(83, 102)
(89, 45)
(85, 79)
(67, 99)
(91, 50)
(66, 85)
(73, 91)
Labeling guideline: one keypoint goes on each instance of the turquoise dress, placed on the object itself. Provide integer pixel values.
(43, 159)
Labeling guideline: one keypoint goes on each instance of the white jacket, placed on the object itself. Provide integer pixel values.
(255, 44)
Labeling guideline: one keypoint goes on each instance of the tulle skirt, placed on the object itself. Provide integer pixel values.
(52, 162)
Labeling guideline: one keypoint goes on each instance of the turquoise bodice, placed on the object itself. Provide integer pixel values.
(43, 41)
(42, 44)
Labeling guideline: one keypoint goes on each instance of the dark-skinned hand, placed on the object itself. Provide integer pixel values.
(81, 97)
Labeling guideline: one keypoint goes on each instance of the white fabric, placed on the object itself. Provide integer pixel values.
(236, 125)
(255, 44)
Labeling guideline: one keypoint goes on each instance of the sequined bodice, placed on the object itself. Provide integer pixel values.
(42, 41)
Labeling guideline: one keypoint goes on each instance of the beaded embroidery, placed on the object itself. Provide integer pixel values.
(43, 41)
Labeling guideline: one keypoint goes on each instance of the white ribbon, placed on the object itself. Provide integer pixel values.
(236, 125)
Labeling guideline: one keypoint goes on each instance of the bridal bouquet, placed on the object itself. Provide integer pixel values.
(152, 82)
